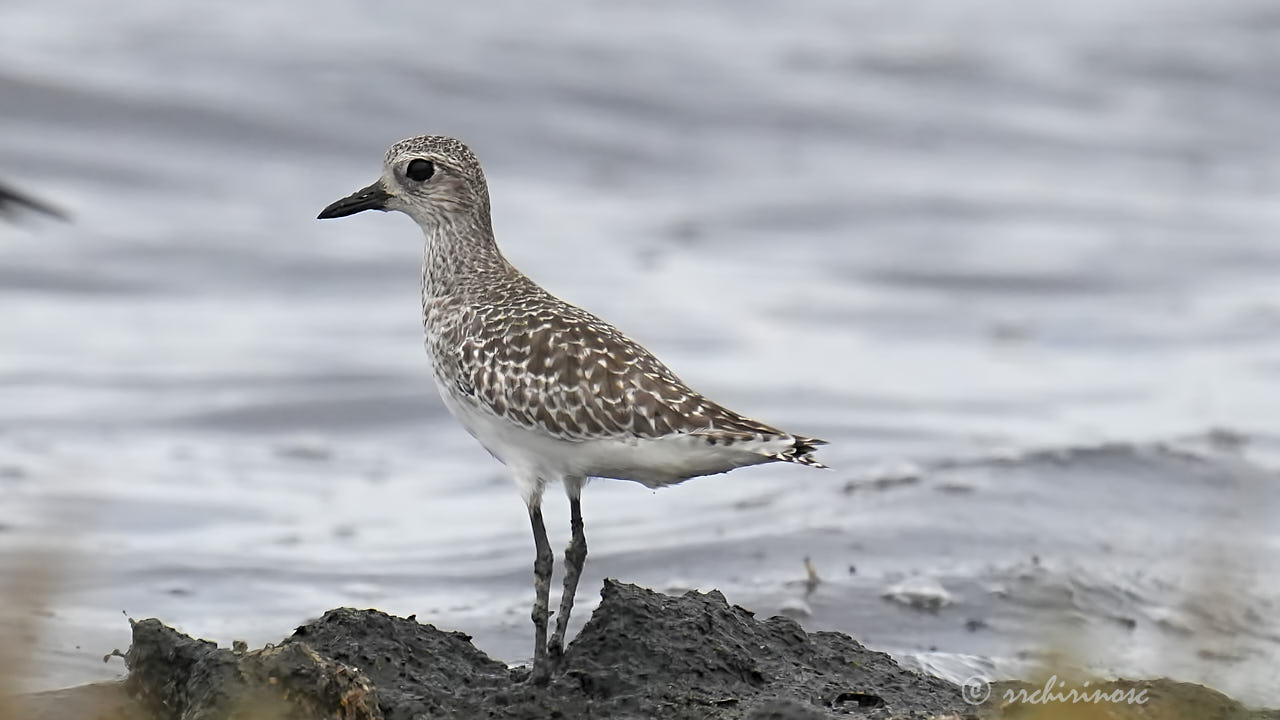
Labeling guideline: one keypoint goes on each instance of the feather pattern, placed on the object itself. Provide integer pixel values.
(549, 389)
(550, 367)
(542, 382)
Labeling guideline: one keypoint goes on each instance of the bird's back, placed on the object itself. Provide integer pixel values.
(553, 371)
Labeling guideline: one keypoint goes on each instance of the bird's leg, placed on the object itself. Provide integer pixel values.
(574, 557)
(542, 590)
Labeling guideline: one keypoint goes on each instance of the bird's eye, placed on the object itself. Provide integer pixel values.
(420, 170)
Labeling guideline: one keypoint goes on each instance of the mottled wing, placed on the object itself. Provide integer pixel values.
(562, 371)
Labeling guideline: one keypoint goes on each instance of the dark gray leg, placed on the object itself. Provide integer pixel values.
(574, 557)
(542, 590)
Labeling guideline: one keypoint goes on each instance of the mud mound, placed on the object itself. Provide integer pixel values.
(657, 652)
(175, 676)
(641, 655)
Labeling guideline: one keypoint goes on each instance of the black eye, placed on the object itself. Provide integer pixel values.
(420, 170)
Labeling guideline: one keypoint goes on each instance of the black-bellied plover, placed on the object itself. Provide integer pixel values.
(549, 389)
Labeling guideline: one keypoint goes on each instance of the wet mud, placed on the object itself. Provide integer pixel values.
(641, 655)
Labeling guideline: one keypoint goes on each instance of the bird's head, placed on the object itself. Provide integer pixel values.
(433, 179)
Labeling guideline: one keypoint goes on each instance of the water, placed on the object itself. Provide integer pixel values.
(944, 238)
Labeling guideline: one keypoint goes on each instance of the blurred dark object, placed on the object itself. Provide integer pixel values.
(11, 201)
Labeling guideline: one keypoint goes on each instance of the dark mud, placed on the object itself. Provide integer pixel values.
(641, 655)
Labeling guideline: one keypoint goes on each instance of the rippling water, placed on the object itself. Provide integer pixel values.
(943, 237)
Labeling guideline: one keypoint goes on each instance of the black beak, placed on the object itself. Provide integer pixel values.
(374, 197)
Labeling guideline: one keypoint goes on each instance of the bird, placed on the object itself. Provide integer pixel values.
(11, 200)
(550, 390)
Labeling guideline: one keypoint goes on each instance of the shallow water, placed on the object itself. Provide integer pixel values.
(939, 237)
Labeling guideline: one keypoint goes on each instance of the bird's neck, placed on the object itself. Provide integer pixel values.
(461, 256)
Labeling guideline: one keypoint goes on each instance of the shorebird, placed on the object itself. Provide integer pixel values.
(550, 390)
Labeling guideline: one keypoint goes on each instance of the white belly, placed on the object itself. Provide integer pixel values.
(654, 462)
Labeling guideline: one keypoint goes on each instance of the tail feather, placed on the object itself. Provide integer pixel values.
(801, 452)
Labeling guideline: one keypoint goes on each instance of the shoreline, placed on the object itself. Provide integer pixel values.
(641, 654)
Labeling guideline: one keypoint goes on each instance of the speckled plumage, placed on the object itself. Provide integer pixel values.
(549, 389)
(500, 341)
(552, 368)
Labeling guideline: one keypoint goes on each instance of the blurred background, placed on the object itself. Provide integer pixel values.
(1015, 260)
